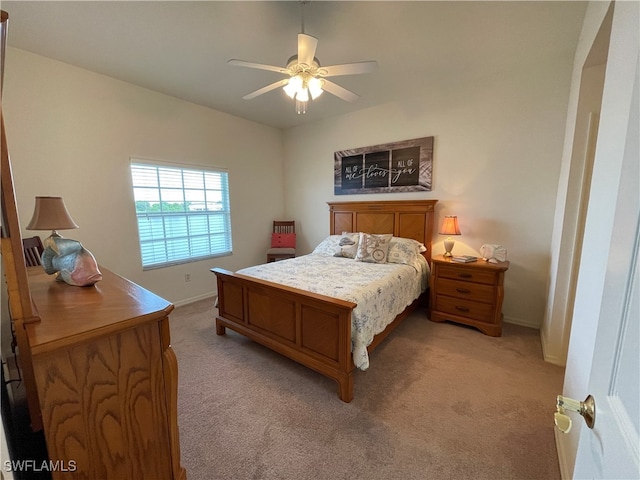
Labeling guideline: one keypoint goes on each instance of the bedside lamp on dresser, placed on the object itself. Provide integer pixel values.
(449, 228)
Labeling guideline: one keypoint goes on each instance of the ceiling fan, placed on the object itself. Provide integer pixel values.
(306, 78)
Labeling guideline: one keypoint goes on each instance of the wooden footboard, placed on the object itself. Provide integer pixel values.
(312, 329)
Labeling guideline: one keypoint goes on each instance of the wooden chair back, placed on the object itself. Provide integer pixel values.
(33, 249)
(284, 226)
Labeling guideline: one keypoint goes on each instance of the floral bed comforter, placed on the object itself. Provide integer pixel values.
(381, 291)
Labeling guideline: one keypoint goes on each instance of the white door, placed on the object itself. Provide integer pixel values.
(611, 449)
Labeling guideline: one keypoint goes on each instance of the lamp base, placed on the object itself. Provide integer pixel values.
(70, 261)
(448, 246)
(50, 241)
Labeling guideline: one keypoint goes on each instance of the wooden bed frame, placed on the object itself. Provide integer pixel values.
(312, 329)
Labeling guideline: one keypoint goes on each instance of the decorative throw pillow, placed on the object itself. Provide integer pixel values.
(373, 248)
(283, 240)
(348, 245)
(404, 250)
(348, 239)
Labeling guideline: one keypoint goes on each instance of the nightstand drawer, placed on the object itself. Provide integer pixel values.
(464, 308)
(467, 274)
(470, 291)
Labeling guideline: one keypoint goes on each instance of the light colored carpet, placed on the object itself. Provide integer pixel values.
(440, 401)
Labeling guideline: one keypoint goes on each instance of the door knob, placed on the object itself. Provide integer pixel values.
(587, 409)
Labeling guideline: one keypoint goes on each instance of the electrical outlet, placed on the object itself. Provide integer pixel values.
(187, 277)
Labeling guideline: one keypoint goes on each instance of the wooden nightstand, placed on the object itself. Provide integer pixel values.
(468, 293)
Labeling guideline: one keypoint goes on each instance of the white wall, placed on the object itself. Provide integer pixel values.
(72, 132)
(497, 156)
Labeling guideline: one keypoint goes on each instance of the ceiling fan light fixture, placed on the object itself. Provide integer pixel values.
(293, 87)
(302, 86)
(290, 90)
(315, 87)
(303, 95)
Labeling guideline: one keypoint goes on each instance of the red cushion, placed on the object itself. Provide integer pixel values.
(283, 240)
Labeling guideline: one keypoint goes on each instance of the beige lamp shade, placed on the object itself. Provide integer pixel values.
(50, 213)
(449, 227)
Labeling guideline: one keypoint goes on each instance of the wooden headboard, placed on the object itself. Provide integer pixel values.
(403, 218)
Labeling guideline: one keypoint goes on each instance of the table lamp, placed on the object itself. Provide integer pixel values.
(50, 213)
(449, 227)
(64, 257)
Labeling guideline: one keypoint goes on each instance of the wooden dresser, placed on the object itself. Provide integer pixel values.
(106, 378)
(468, 293)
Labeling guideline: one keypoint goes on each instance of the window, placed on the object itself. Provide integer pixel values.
(183, 213)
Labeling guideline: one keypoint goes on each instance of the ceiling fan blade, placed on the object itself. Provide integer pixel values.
(261, 66)
(349, 69)
(339, 91)
(306, 48)
(268, 88)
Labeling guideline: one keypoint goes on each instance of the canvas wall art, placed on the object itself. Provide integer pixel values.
(404, 166)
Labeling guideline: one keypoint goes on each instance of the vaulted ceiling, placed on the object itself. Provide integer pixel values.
(181, 48)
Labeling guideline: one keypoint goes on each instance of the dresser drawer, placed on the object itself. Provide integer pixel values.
(467, 274)
(464, 308)
(478, 292)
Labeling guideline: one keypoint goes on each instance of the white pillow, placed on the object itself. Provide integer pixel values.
(328, 247)
(373, 248)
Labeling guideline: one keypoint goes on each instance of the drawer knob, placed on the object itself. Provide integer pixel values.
(465, 275)
(462, 309)
(463, 290)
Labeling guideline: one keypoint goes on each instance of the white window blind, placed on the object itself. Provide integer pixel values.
(183, 213)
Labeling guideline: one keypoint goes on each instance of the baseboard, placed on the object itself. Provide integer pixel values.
(566, 469)
(187, 301)
(521, 322)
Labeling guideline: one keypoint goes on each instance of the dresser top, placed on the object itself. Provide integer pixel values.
(480, 263)
(70, 314)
